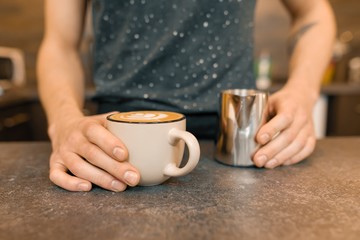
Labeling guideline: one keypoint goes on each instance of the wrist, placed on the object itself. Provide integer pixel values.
(60, 118)
(309, 90)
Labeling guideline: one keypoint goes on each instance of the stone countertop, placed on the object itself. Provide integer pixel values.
(318, 198)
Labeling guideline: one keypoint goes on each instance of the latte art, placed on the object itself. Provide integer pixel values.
(146, 117)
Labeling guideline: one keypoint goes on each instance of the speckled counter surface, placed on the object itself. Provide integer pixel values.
(316, 199)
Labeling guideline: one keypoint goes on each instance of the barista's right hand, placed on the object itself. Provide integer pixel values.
(85, 152)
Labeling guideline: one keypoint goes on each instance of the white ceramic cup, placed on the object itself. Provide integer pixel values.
(155, 141)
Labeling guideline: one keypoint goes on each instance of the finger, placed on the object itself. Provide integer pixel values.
(289, 151)
(109, 143)
(123, 171)
(305, 152)
(271, 129)
(85, 170)
(59, 176)
(268, 151)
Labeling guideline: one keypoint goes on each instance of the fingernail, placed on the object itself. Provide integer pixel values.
(118, 186)
(131, 178)
(261, 160)
(84, 187)
(271, 164)
(264, 138)
(119, 153)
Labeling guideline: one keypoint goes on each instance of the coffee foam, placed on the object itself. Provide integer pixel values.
(146, 117)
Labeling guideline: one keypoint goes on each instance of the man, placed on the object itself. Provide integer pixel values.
(170, 55)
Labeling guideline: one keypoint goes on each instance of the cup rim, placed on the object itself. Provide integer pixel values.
(243, 92)
(181, 117)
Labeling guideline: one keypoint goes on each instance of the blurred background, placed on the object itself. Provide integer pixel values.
(21, 30)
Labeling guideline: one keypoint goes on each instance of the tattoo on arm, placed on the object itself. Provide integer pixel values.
(294, 39)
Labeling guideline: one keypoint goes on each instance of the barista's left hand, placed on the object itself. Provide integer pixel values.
(288, 137)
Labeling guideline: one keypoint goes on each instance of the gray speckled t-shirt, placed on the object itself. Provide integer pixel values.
(172, 55)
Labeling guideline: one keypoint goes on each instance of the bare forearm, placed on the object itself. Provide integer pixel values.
(311, 45)
(61, 82)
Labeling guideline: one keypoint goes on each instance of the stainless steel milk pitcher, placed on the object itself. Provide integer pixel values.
(242, 113)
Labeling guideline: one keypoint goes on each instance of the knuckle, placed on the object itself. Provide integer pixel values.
(74, 139)
(103, 180)
(269, 153)
(303, 118)
(52, 176)
(300, 145)
(62, 151)
(119, 168)
(287, 118)
(91, 152)
(74, 167)
(305, 121)
(311, 144)
(90, 128)
(289, 137)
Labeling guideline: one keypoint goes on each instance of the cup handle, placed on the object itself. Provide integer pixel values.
(194, 153)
